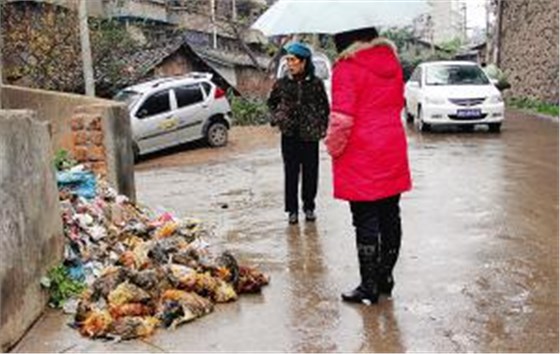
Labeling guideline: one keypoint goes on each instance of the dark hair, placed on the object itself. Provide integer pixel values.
(345, 39)
(309, 68)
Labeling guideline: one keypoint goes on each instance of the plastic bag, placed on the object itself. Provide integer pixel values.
(82, 183)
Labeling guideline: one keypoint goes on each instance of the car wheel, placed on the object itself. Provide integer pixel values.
(409, 117)
(422, 126)
(495, 127)
(217, 134)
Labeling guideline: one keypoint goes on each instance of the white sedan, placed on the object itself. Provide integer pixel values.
(452, 93)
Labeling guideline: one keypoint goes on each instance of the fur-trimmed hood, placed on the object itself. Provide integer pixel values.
(378, 57)
(359, 46)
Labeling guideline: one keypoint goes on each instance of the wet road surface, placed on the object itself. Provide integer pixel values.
(478, 269)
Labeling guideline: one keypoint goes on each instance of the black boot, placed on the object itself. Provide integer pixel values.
(391, 233)
(360, 295)
(368, 291)
(385, 284)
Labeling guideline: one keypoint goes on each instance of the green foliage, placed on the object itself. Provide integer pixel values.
(402, 38)
(534, 105)
(61, 286)
(111, 42)
(452, 46)
(399, 36)
(248, 110)
(329, 48)
(63, 160)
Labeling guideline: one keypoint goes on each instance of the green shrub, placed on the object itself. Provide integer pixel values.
(61, 286)
(63, 160)
(534, 105)
(248, 110)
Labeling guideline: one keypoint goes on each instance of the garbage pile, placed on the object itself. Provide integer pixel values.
(142, 270)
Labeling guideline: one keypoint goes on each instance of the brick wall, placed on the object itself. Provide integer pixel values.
(529, 48)
(96, 131)
(88, 141)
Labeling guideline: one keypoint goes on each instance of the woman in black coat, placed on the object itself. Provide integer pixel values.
(300, 108)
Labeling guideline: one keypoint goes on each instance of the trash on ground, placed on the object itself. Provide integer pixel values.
(140, 270)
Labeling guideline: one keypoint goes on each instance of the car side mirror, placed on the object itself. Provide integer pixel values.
(495, 82)
(501, 85)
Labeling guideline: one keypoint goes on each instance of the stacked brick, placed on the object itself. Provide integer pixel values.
(88, 142)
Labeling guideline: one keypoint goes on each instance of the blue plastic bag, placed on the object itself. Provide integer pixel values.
(82, 183)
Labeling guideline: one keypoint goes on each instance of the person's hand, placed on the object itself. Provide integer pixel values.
(280, 115)
(338, 134)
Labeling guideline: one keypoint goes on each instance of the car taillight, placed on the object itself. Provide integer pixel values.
(219, 93)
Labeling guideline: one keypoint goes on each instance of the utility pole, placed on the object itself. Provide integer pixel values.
(1, 53)
(86, 49)
(214, 31)
(489, 41)
(497, 33)
(464, 24)
(430, 26)
(233, 11)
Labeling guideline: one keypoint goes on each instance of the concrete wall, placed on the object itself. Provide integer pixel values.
(31, 236)
(252, 82)
(529, 48)
(148, 9)
(109, 152)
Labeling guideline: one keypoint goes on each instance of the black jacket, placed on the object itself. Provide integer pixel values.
(300, 108)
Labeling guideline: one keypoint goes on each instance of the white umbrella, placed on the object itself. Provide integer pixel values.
(335, 16)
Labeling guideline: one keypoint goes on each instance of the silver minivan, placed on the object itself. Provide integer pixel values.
(175, 110)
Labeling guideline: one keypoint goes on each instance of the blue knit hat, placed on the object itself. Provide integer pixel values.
(302, 51)
(299, 49)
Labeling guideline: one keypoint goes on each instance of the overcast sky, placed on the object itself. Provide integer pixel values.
(476, 13)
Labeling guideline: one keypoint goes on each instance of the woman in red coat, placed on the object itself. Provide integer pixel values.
(367, 143)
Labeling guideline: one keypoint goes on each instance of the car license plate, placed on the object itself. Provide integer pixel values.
(469, 113)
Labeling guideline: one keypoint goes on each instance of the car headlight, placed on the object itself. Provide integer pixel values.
(495, 99)
(435, 100)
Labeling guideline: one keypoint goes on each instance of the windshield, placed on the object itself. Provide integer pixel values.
(455, 75)
(321, 69)
(127, 96)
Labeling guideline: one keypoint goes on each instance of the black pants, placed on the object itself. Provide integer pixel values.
(300, 156)
(378, 232)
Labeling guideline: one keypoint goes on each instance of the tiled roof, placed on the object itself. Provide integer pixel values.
(230, 58)
(139, 63)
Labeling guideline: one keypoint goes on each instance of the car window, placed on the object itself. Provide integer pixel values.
(188, 95)
(155, 104)
(207, 88)
(321, 69)
(455, 75)
(127, 96)
(416, 75)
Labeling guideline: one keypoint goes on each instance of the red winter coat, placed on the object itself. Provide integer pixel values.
(366, 138)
